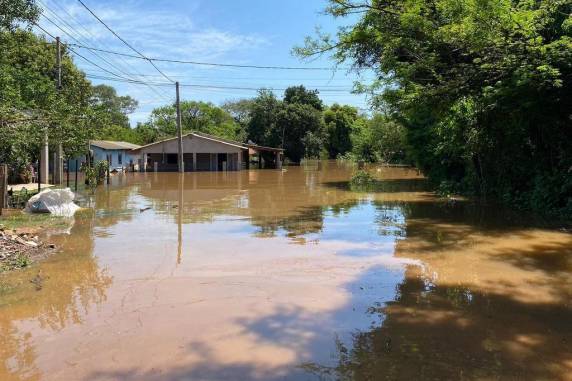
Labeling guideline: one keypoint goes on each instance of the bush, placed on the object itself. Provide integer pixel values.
(362, 179)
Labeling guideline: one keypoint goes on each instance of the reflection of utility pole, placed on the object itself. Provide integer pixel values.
(179, 130)
(180, 219)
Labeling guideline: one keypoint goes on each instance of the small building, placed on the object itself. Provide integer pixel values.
(203, 152)
(119, 154)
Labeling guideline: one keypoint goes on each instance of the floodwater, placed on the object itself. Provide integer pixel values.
(289, 275)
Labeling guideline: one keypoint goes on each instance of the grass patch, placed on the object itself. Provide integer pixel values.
(20, 261)
(21, 220)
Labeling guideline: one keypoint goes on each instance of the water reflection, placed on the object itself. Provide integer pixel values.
(455, 332)
(71, 284)
(271, 275)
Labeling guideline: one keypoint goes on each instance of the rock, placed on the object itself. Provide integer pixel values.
(31, 243)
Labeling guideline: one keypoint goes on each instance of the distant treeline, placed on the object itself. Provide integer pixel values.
(299, 122)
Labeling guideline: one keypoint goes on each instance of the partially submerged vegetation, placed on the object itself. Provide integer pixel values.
(482, 89)
(362, 180)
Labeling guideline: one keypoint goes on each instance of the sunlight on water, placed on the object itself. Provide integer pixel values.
(291, 275)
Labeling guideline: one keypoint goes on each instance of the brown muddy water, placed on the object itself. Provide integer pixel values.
(271, 275)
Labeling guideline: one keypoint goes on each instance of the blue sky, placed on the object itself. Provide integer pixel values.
(252, 32)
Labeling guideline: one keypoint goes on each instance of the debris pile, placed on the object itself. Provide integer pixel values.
(20, 249)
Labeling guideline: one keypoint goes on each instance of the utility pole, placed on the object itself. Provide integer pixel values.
(59, 160)
(179, 131)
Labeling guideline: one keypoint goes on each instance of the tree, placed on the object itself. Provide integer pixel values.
(30, 103)
(261, 127)
(379, 139)
(300, 95)
(110, 108)
(294, 124)
(302, 130)
(195, 116)
(339, 121)
(240, 110)
(484, 89)
(13, 12)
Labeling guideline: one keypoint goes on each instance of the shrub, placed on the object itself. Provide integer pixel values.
(362, 179)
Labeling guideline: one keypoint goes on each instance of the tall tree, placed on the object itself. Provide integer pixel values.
(483, 88)
(111, 109)
(16, 12)
(339, 122)
(301, 95)
(196, 116)
(30, 102)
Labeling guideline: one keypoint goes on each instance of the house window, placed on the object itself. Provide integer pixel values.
(120, 159)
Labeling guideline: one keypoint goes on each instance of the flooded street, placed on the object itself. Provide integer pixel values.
(290, 275)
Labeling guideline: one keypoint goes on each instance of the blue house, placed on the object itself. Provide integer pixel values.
(118, 154)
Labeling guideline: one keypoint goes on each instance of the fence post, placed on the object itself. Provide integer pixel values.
(3, 186)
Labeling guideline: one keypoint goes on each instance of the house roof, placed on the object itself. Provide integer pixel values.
(113, 145)
(202, 136)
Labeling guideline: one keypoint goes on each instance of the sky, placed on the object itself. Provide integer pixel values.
(246, 32)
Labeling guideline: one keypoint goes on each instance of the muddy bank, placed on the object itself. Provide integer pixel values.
(20, 248)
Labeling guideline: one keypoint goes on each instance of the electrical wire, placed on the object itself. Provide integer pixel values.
(115, 64)
(125, 42)
(211, 63)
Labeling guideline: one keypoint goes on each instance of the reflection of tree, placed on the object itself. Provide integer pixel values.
(71, 283)
(434, 332)
(301, 222)
(503, 311)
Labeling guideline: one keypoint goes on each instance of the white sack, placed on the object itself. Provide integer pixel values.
(58, 202)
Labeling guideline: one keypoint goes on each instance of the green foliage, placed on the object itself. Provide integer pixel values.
(30, 103)
(13, 12)
(339, 122)
(95, 174)
(362, 179)
(195, 116)
(379, 139)
(295, 123)
(300, 95)
(18, 261)
(482, 88)
(109, 109)
(108, 115)
(301, 126)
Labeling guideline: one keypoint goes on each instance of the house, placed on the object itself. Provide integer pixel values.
(119, 154)
(203, 152)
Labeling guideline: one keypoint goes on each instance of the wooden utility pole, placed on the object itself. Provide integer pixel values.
(59, 160)
(179, 131)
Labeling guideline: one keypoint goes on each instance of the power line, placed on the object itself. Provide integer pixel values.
(209, 63)
(116, 65)
(88, 60)
(125, 42)
(215, 87)
(81, 56)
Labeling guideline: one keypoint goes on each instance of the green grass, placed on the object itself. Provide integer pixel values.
(20, 261)
(21, 220)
